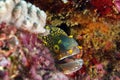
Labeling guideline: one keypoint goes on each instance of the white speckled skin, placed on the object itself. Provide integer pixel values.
(23, 15)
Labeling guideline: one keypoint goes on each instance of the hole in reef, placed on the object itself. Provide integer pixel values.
(19, 77)
(64, 27)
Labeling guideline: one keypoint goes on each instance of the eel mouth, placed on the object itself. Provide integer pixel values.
(69, 64)
(70, 67)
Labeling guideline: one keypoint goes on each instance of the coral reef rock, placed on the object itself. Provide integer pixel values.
(23, 15)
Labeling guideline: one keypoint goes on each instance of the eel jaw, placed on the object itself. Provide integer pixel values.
(70, 67)
(69, 64)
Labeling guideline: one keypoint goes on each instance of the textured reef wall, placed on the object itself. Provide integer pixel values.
(95, 24)
(22, 55)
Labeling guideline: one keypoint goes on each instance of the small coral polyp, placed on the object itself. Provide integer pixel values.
(23, 15)
(117, 5)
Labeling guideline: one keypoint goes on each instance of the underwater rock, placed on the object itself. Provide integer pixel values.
(23, 15)
(23, 55)
(81, 5)
(54, 6)
(103, 7)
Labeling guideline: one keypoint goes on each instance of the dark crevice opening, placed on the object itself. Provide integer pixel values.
(64, 27)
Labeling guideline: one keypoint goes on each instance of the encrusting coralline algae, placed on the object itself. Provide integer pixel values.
(22, 55)
(23, 15)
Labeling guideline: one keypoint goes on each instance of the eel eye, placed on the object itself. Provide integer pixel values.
(56, 48)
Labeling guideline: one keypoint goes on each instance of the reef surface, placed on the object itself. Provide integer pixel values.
(95, 24)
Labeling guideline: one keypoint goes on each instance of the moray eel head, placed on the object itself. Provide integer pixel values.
(64, 49)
